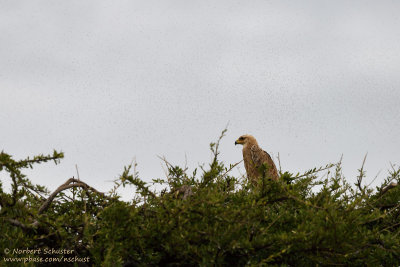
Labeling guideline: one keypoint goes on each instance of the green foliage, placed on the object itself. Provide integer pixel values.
(209, 218)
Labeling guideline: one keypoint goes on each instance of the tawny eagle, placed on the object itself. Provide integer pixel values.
(254, 157)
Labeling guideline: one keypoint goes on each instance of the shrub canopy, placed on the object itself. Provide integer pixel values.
(206, 217)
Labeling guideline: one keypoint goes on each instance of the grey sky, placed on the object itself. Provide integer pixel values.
(105, 81)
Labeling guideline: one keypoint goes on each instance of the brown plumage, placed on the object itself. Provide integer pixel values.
(254, 157)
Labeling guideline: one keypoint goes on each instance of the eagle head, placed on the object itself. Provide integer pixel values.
(245, 139)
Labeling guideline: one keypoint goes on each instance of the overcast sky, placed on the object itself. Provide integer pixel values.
(107, 81)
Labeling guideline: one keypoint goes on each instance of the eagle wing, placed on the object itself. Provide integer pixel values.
(259, 157)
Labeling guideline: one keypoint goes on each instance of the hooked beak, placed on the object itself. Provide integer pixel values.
(236, 143)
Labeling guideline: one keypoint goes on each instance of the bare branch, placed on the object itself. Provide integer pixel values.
(362, 175)
(169, 165)
(19, 224)
(65, 186)
(279, 161)
(14, 190)
(388, 187)
(316, 170)
(373, 180)
(77, 171)
(215, 151)
(33, 227)
(231, 167)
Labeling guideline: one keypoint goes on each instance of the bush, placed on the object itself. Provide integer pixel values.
(205, 219)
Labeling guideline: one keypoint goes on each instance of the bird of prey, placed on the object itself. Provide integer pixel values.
(254, 157)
